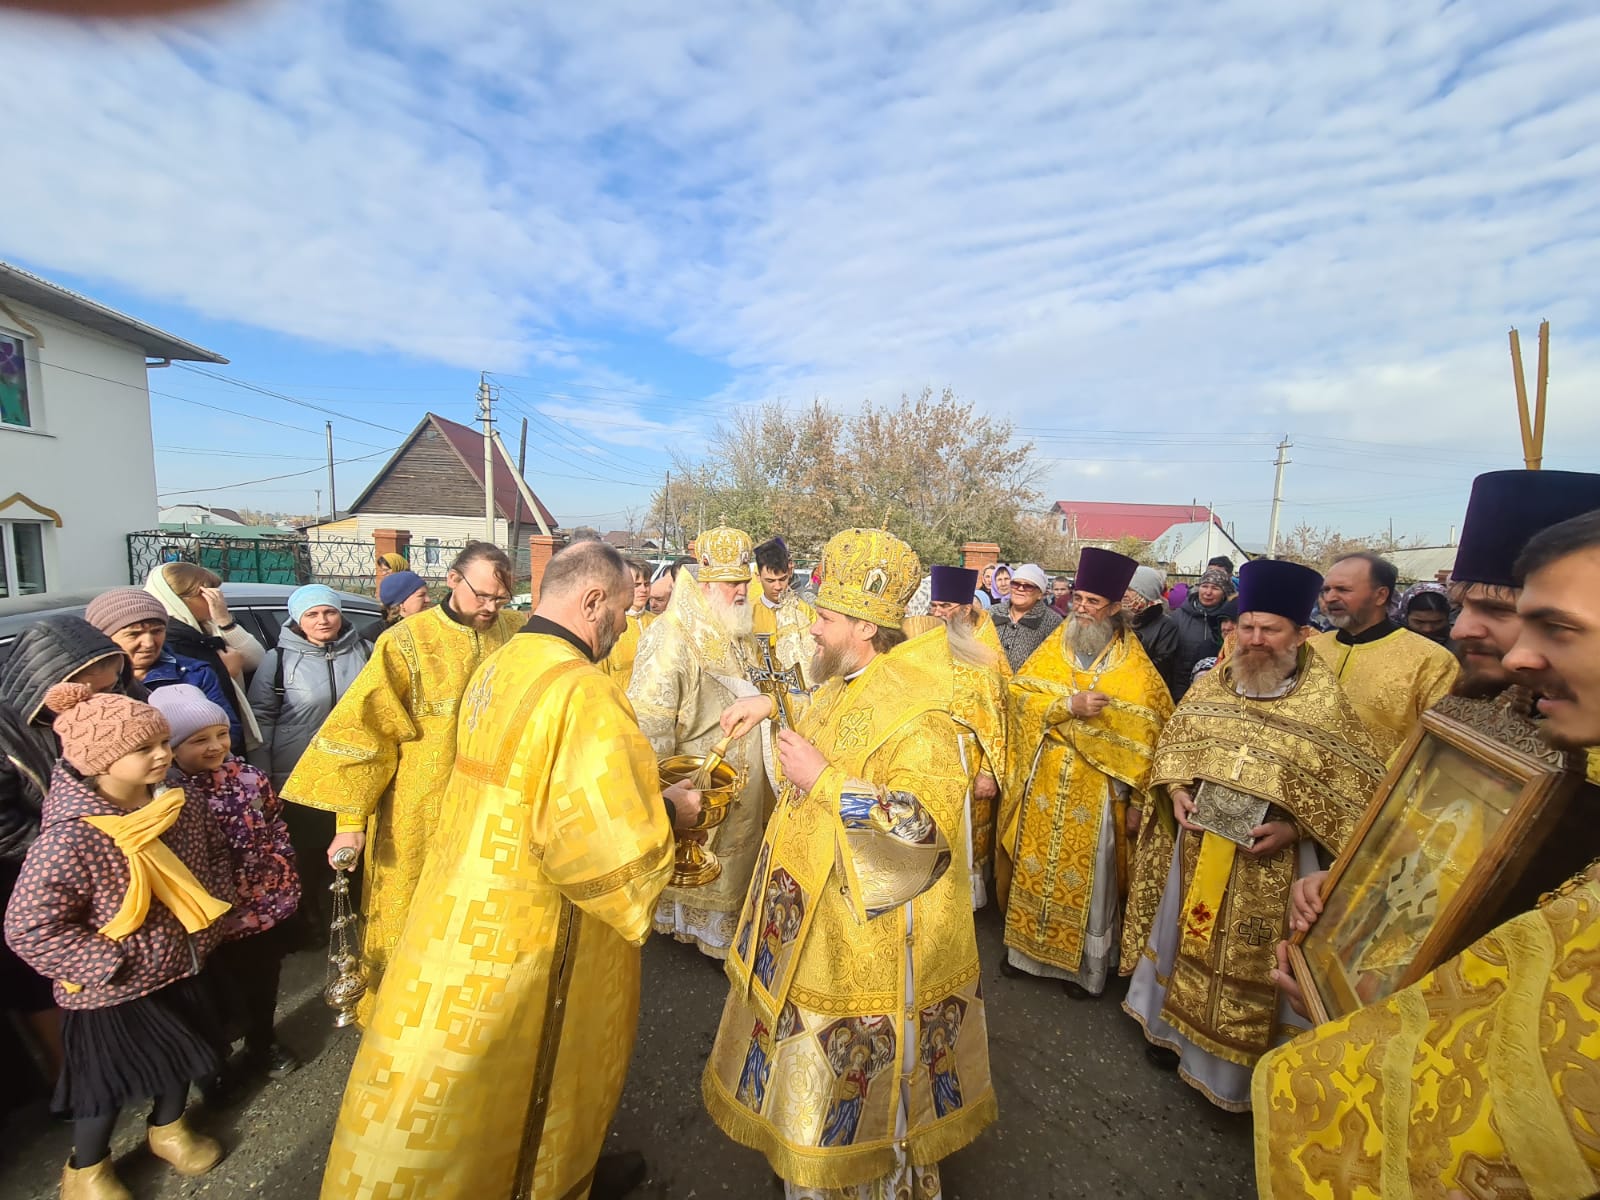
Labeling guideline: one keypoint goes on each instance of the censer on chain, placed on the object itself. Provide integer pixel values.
(347, 978)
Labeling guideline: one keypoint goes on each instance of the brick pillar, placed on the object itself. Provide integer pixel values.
(975, 556)
(541, 549)
(391, 541)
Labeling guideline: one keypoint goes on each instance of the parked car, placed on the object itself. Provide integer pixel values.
(262, 608)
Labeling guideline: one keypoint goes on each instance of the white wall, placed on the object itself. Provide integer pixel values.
(90, 455)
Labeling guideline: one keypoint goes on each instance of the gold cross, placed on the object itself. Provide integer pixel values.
(1240, 759)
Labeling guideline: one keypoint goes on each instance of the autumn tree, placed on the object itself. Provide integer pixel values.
(936, 470)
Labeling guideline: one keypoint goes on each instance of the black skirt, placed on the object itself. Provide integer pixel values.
(112, 1057)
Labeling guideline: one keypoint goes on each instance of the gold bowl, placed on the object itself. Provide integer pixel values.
(693, 865)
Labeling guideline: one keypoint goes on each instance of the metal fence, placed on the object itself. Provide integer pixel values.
(345, 565)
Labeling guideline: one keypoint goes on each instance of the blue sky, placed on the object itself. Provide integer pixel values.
(1155, 237)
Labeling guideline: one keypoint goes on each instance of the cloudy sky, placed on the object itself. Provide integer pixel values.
(1156, 237)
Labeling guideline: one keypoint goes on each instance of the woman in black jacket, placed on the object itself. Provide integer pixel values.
(48, 652)
(1199, 622)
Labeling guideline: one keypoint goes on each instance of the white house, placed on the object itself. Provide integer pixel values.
(1185, 548)
(199, 514)
(77, 461)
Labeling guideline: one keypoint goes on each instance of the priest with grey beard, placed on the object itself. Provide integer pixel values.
(695, 661)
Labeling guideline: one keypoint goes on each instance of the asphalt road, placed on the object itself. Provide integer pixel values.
(1082, 1113)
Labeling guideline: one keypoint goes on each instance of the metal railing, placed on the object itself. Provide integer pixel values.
(348, 566)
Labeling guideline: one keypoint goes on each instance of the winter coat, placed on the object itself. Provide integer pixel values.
(1021, 636)
(312, 680)
(45, 654)
(1199, 636)
(1158, 634)
(189, 644)
(73, 883)
(250, 815)
(171, 668)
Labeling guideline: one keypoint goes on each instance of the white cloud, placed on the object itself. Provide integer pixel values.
(1236, 217)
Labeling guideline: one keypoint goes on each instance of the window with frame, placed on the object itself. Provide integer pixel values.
(16, 405)
(430, 551)
(21, 558)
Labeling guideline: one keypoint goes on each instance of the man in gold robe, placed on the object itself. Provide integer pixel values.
(382, 758)
(979, 709)
(1268, 749)
(1390, 674)
(1085, 712)
(496, 1052)
(619, 663)
(695, 661)
(779, 617)
(853, 1050)
(1482, 1079)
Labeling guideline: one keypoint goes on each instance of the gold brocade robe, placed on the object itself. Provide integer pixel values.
(1391, 681)
(498, 1046)
(984, 627)
(689, 671)
(979, 709)
(788, 625)
(1059, 776)
(619, 663)
(1309, 754)
(381, 760)
(1481, 1079)
(855, 968)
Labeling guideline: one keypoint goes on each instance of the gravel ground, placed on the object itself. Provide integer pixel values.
(1081, 1111)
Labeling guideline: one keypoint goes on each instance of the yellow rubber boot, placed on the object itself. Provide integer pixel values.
(188, 1152)
(98, 1182)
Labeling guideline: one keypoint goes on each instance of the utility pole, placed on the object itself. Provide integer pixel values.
(333, 502)
(1277, 498)
(669, 519)
(516, 513)
(318, 509)
(486, 415)
(1211, 524)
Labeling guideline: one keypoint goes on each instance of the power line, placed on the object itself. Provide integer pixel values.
(287, 399)
(271, 478)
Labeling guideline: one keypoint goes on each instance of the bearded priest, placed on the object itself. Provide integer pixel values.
(1085, 711)
(853, 1049)
(694, 661)
(1266, 768)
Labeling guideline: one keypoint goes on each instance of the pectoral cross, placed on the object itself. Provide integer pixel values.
(1239, 760)
(777, 681)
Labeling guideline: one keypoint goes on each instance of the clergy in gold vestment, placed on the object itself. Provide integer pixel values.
(498, 1046)
(383, 756)
(695, 661)
(1480, 1080)
(853, 1049)
(619, 663)
(1086, 710)
(1391, 675)
(979, 708)
(779, 617)
(1269, 728)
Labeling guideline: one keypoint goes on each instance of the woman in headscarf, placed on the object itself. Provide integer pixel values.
(1199, 621)
(387, 565)
(1425, 609)
(199, 626)
(1001, 588)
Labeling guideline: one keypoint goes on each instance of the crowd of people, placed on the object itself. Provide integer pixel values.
(1147, 781)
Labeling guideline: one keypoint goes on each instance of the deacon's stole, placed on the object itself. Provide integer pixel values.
(500, 1040)
(1309, 755)
(1061, 766)
(854, 926)
(1481, 1079)
(382, 759)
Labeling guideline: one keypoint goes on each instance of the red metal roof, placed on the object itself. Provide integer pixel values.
(1106, 521)
(468, 443)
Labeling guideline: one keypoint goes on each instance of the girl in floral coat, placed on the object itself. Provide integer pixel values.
(258, 933)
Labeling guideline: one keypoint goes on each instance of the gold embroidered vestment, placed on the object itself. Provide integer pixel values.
(1391, 682)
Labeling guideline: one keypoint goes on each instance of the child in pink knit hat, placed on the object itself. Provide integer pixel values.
(259, 932)
(119, 902)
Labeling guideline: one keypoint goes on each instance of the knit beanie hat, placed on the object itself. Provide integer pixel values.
(314, 595)
(1217, 577)
(187, 709)
(121, 607)
(399, 587)
(96, 730)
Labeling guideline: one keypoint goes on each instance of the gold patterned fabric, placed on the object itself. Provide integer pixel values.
(1060, 771)
(788, 626)
(619, 663)
(1391, 681)
(1481, 1079)
(979, 709)
(855, 1023)
(381, 760)
(688, 672)
(497, 1049)
(869, 574)
(726, 555)
(1310, 756)
(983, 626)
